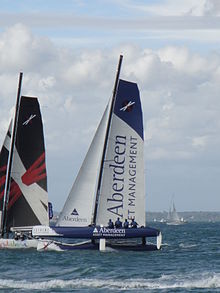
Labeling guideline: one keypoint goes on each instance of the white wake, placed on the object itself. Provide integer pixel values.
(208, 280)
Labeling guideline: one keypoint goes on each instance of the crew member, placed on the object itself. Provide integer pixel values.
(110, 224)
(118, 223)
(134, 224)
(126, 224)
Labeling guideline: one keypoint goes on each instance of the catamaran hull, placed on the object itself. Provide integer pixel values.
(18, 244)
(94, 232)
(99, 238)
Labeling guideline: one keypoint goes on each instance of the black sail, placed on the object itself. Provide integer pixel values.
(28, 199)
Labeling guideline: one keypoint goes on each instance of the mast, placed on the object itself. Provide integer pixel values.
(106, 139)
(10, 160)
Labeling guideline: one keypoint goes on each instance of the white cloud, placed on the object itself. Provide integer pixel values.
(176, 8)
(200, 141)
(212, 7)
(20, 49)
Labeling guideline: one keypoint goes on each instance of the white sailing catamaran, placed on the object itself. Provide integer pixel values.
(109, 185)
(23, 177)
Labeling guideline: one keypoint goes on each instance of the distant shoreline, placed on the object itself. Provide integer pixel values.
(194, 216)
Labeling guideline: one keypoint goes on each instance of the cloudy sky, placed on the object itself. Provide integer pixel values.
(68, 51)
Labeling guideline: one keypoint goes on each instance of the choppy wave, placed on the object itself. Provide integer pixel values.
(164, 282)
(185, 245)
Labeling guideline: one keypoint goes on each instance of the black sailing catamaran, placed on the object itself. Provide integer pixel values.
(109, 185)
(23, 177)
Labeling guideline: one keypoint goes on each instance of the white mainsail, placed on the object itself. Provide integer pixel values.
(122, 190)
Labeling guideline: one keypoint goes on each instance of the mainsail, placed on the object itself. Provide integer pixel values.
(28, 199)
(122, 190)
(110, 183)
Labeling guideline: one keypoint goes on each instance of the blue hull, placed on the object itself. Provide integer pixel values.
(133, 239)
(103, 232)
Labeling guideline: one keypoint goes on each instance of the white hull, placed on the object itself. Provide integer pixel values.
(18, 244)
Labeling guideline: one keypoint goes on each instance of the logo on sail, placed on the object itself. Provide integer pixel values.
(127, 106)
(73, 217)
(74, 213)
(29, 119)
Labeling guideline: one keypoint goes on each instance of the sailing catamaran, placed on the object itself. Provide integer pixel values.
(110, 183)
(23, 177)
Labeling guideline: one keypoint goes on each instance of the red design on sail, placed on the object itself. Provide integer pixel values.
(3, 169)
(2, 181)
(15, 193)
(36, 172)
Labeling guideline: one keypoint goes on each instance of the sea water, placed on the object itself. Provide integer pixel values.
(189, 261)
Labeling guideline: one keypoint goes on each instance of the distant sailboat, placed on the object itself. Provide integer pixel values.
(23, 177)
(173, 217)
(110, 182)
